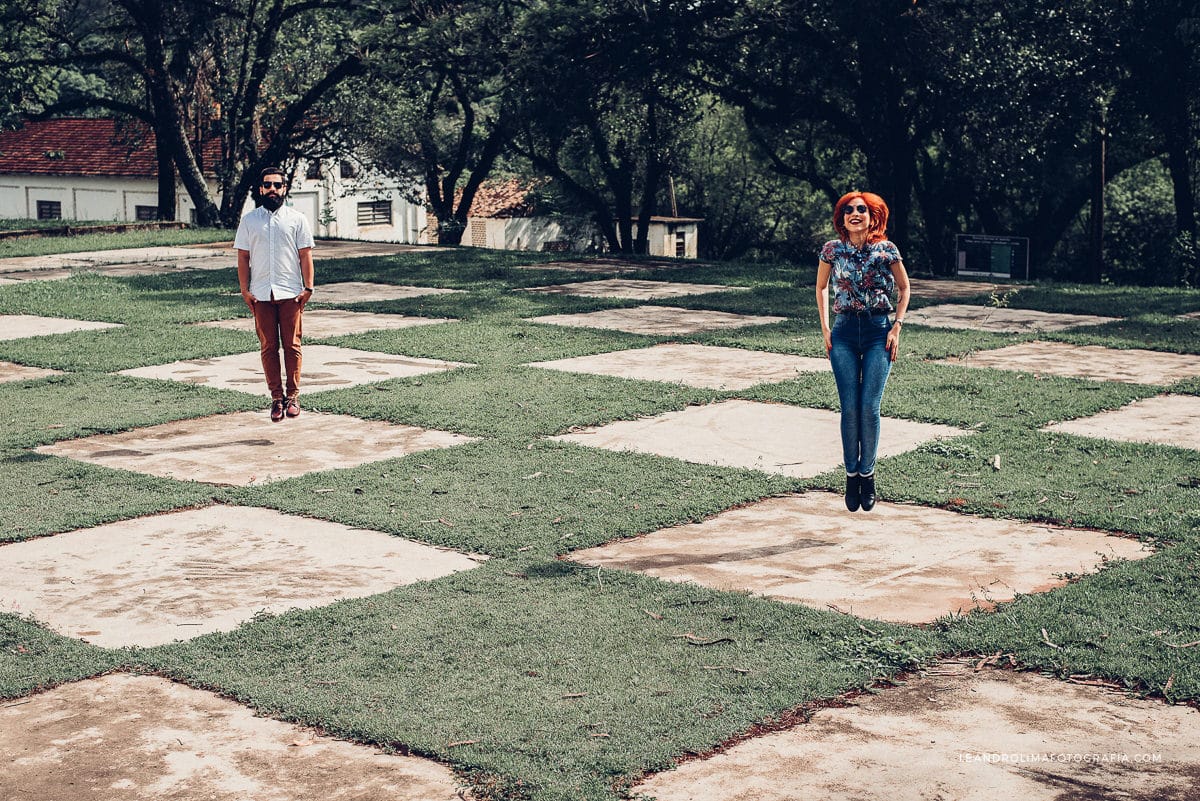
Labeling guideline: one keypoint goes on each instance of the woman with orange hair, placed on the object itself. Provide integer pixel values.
(862, 342)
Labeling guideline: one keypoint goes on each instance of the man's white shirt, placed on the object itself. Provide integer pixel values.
(274, 239)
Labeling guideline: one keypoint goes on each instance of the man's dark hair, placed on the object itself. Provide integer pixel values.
(271, 171)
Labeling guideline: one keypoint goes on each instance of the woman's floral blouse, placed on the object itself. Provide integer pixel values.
(861, 279)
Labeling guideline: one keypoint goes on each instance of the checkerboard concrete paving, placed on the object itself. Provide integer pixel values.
(20, 326)
(954, 733)
(908, 564)
(632, 289)
(1163, 419)
(153, 580)
(246, 448)
(704, 366)
(772, 437)
(657, 320)
(1087, 361)
(999, 320)
(325, 367)
(143, 738)
(131, 737)
(322, 323)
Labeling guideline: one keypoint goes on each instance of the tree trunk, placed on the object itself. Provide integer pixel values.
(1094, 268)
(166, 180)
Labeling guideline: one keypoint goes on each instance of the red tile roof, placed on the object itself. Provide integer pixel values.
(509, 198)
(77, 146)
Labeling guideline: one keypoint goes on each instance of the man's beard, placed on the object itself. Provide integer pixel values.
(272, 202)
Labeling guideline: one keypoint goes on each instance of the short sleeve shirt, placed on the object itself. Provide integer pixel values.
(274, 240)
(861, 278)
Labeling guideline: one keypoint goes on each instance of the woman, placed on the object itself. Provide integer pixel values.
(862, 343)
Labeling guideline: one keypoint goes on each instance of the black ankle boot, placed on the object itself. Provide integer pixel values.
(866, 493)
(853, 488)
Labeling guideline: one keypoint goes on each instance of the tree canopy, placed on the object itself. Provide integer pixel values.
(1048, 121)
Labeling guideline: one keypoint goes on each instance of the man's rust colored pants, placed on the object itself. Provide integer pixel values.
(278, 322)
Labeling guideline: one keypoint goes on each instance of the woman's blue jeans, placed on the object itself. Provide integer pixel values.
(861, 364)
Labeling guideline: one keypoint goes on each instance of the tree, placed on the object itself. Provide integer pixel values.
(195, 70)
(432, 107)
(604, 100)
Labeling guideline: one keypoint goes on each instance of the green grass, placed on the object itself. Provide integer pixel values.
(47, 245)
(497, 654)
(507, 498)
(562, 677)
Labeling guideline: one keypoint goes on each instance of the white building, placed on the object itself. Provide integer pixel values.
(94, 169)
(503, 217)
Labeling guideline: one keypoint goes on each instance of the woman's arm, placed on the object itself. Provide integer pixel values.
(902, 294)
(823, 270)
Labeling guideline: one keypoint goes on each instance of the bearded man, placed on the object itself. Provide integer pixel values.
(275, 271)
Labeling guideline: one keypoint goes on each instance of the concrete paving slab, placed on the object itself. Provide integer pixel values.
(320, 323)
(246, 448)
(21, 276)
(368, 292)
(902, 563)
(693, 365)
(20, 326)
(956, 734)
(951, 289)
(1000, 320)
(324, 367)
(1087, 361)
(607, 266)
(772, 437)
(98, 258)
(657, 320)
(1163, 419)
(175, 576)
(632, 289)
(144, 738)
(20, 372)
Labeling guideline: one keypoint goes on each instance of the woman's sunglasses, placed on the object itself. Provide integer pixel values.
(861, 209)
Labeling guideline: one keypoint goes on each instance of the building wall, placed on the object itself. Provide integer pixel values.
(331, 206)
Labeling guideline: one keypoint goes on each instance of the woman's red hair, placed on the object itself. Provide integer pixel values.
(879, 216)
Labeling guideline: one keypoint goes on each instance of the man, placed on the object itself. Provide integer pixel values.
(275, 270)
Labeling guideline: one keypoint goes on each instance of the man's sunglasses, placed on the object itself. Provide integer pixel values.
(861, 209)
(280, 185)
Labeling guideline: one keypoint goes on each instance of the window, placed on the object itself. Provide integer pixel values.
(313, 171)
(680, 245)
(378, 212)
(49, 210)
(347, 170)
(145, 213)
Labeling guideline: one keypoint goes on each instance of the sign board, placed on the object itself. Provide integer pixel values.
(992, 256)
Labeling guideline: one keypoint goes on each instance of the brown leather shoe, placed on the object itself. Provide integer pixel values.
(292, 407)
(276, 410)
